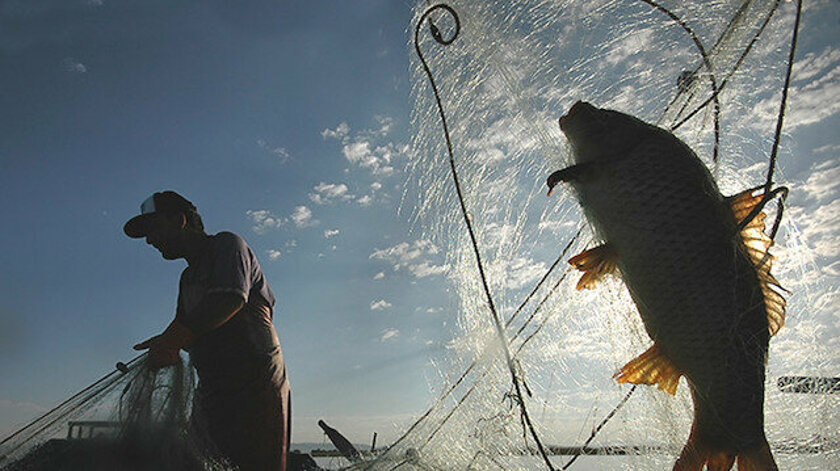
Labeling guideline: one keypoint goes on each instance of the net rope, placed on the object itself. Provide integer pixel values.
(685, 105)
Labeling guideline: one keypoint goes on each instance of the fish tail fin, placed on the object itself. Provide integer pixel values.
(699, 454)
(758, 459)
(720, 461)
(694, 454)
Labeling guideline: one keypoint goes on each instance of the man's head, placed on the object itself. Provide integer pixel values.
(166, 220)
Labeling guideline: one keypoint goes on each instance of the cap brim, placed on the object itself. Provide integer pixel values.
(138, 226)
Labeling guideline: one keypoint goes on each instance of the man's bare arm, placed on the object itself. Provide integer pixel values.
(212, 311)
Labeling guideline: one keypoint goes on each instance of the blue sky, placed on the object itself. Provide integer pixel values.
(289, 124)
(106, 102)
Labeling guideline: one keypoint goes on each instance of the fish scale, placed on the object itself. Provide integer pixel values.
(676, 245)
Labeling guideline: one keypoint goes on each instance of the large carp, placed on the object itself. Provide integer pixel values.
(702, 287)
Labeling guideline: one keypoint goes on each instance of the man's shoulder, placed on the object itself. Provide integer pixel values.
(228, 241)
(228, 237)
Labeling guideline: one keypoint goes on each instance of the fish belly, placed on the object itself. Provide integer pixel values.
(697, 292)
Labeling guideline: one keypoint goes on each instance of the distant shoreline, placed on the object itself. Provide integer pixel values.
(323, 450)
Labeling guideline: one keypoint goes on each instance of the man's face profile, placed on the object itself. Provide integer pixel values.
(165, 233)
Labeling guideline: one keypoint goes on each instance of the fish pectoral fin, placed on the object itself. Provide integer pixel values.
(720, 461)
(594, 263)
(569, 174)
(757, 244)
(651, 367)
(758, 459)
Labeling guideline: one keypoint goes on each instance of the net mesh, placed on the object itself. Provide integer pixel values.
(711, 71)
(132, 418)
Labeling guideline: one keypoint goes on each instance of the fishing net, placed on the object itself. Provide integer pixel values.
(134, 418)
(713, 72)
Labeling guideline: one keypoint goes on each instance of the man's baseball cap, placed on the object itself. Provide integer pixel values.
(167, 202)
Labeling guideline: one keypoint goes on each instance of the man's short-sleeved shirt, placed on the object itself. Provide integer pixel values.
(229, 266)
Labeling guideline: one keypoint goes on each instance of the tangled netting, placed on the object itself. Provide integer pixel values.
(134, 418)
(713, 72)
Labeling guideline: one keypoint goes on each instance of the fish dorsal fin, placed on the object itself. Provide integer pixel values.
(594, 263)
(651, 367)
(757, 244)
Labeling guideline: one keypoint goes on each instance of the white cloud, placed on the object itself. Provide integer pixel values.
(829, 301)
(385, 125)
(832, 269)
(274, 254)
(404, 252)
(811, 103)
(375, 186)
(330, 233)
(521, 272)
(818, 216)
(827, 148)
(557, 226)
(501, 135)
(359, 153)
(497, 235)
(414, 256)
(365, 200)
(339, 132)
(73, 66)
(368, 149)
(812, 94)
(820, 227)
(380, 305)
(302, 217)
(389, 334)
(425, 269)
(377, 159)
(823, 180)
(811, 64)
(264, 220)
(491, 155)
(280, 152)
(630, 45)
(379, 275)
(327, 193)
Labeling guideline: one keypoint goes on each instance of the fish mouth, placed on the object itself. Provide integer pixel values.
(577, 108)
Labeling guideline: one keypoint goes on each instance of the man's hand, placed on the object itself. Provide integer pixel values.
(164, 348)
(159, 354)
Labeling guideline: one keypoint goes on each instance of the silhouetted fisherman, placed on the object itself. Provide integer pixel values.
(224, 320)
